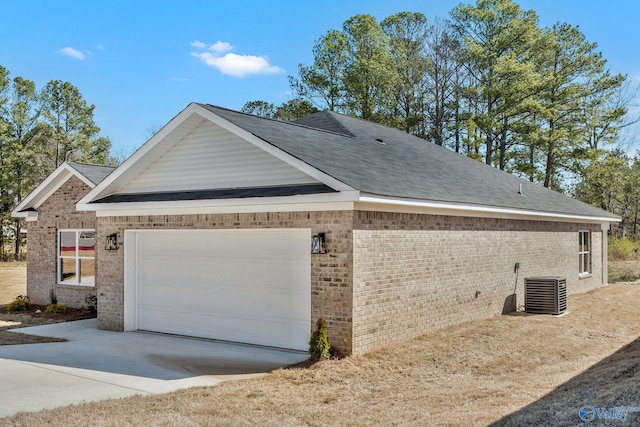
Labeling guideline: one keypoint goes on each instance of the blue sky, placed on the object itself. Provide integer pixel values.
(142, 62)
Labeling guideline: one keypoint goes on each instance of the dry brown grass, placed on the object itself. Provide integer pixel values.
(540, 369)
(624, 271)
(13, 280)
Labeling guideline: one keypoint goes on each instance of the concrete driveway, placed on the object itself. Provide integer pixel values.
(96, 365)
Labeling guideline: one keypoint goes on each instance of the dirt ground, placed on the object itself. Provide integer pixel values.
(512, 370)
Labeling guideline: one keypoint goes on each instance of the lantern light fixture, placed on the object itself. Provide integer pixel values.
(318, 244)
(112, 242)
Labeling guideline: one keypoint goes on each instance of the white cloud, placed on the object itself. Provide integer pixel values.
(100, 47)
(232, 64)
(220, 47)
(69, 51)
(180, 79)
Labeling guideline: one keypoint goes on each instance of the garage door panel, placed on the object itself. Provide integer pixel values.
(196, 299)
(299, 331)
(163, 269)
(239, 285)
(229, 327)
(277, 303)
(281, 270)
(155, 269)
(225, 300)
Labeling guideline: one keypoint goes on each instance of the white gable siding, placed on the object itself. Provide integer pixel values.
(211, 157)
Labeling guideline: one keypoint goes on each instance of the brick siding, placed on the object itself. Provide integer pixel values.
(386, 277)
(57, 212)
(413, 273)
(331, 292)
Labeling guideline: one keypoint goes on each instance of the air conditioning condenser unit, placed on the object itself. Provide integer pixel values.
(545, 295)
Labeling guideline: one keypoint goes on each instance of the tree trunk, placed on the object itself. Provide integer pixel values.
(548, 173)
(531, 163)
(503, 145)
(2, 240)
(18, 239)
(489, 145)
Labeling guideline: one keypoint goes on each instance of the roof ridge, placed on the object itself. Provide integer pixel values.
(92, 164)
(369, 123)
(332, 115)
(286, 122)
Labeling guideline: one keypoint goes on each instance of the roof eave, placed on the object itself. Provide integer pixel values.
(253, 204)
(49, 186)
(383, 203)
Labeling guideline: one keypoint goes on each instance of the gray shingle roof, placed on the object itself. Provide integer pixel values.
(94, 173)
(388, 162)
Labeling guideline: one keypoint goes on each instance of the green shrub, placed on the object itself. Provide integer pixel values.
(53, 296)
(56, 309)
(92, 303)
(21, 303)
(319, 342)
(623, 249)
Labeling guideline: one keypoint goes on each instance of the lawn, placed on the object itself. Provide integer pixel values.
(13, 280)
(507, 370)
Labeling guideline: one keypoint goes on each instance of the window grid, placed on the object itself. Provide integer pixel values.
(76, 257)
(584, 252)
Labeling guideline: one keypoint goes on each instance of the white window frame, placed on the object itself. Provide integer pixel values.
(584, 236)
(75, 256)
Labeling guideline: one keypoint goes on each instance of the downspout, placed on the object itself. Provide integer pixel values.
(605, 226)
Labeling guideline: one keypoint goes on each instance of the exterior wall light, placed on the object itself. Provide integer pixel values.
(318, 244)
(112, 242)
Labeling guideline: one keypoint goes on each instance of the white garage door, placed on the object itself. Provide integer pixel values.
(251, 286)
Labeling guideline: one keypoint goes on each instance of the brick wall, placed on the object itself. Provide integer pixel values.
(57, 212)
(413, 273)
(388, 277)
(331, 291)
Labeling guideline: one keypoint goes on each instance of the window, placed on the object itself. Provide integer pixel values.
(76, 257)
(584, 252)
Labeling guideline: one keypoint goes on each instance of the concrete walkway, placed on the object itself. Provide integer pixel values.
(97, 365)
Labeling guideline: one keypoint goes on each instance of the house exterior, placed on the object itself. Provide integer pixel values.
(235, 227)
(54, 227)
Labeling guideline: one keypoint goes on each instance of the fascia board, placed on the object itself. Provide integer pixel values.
(214, 210)
(275, 151)
(125, 208)
(49, 186)
(379, 203)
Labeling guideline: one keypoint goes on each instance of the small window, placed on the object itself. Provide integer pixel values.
(76, 257)
(584, 252)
